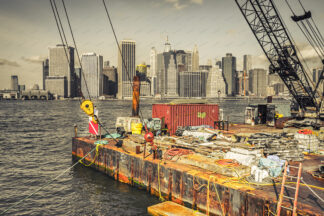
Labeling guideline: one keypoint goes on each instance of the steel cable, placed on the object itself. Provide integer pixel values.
(47, 183)
(76, 49)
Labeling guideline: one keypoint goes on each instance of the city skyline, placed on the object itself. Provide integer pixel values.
(27, 29)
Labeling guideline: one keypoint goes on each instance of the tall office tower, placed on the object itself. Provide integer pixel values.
(172, 78)
(162, 69)
(247, 63)
(110, 86)
(247, 66)
(126, 74)
(153, 59)
(14, 83)
(45, 71)
(215, 86)
(192, 84)
(153, 70)
(229, 71)
(77, 81)
(61, 77)
(258, 82)
(195, 59)
(240, 83)
(92, 71)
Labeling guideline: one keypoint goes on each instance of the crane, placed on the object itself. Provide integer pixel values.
(268, 27)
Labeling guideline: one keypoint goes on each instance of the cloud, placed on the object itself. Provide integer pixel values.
(260, 61)
(180, 4)
(4, 62)
(33, 59)
(309, 55)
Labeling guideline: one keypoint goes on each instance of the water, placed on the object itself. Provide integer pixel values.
(35, 146)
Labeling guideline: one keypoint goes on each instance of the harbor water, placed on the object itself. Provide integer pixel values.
(35, 145)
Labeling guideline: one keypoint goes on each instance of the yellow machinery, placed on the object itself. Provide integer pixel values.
(87, 107)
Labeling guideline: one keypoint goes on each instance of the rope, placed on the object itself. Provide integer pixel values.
(208, 199)
(97, 153)
(47, 183)
(313, 191)
(171, 153)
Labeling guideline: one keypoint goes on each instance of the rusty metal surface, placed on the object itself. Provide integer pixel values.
(188, 185)
(186, 114)
(171, 209)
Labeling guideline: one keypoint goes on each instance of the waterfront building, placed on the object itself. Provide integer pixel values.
(229, 71)
(56, 85)
(61, 66)
(258, 82)
(45, 65)
(92, 65)
(126, 74)
(14, 83)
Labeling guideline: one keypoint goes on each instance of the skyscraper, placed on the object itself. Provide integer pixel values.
(92, 71)
(14, 83)
(153, 70)
(195, 59)
(215, 83)
(61, 71)
(258, 82)
(229, 71)
(45, 71)
(126, 74)
(110, 86)
(247, 66)
(172, 79)
(247, 63)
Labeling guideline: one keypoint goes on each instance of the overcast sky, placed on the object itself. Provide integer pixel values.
(27, 29)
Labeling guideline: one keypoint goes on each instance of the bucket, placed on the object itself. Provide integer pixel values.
(136, 128)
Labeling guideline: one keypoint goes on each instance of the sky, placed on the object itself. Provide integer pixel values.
(217, 27)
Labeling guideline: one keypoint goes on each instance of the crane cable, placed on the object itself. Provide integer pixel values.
(65, 44)
(307, 30)
(308, 80)
(121, 54)
(76, 49)
(319, 42)
(47, 183)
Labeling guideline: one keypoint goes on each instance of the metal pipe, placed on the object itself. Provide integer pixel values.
(136, 96)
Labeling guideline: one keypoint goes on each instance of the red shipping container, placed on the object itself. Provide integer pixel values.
(186, 115)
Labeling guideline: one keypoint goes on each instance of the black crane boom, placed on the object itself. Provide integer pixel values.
(268, 28)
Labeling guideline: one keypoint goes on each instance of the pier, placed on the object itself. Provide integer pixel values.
(194, 187)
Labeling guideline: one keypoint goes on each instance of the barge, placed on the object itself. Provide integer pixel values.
(193, 184)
